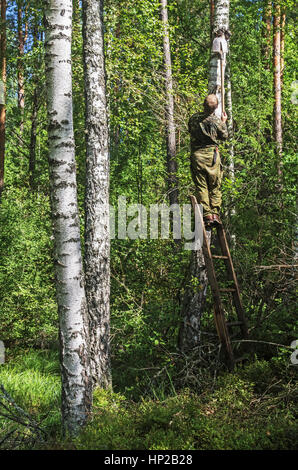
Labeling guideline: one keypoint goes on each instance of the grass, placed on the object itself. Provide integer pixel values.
(33, 381)
(253, 408)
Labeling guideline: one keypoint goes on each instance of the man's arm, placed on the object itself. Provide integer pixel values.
(222, 130)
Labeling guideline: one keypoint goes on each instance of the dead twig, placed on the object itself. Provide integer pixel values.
(278, 266)
(26, 431)
(261, 342)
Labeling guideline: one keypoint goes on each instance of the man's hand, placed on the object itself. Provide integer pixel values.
(224, 117)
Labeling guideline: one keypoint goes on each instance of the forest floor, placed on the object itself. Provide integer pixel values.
(255, 407)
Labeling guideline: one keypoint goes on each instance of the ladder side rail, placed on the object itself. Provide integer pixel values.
(219, 315)
(232, 275)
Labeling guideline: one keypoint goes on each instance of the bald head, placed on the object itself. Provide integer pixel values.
(210, 104)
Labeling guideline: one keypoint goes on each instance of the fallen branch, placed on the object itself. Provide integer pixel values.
(12, 412)
(261, 342)
(278, 266)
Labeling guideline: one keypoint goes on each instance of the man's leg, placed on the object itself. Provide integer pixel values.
(200, 178)
(215, 174)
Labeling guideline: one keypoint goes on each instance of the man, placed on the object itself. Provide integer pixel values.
(206, 168)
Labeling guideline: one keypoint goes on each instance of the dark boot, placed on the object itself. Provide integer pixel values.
(208, 220)
(216, 219)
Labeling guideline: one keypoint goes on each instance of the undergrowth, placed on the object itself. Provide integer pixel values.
(253, 408)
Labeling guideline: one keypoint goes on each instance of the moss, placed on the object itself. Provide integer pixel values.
(254, 408)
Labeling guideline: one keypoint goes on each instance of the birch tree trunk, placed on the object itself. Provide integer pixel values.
(221, 21)
(97, 234)
(170, 123)
(76, 396)
(277, 87)
(2, 104)
(193, 302)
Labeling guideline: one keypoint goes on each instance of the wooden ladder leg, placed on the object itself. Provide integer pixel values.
(223, 334)
(219, 315)
(232, 277)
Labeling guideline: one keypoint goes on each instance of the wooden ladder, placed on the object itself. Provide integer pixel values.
(222, 326)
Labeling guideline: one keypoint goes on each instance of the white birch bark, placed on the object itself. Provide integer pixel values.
(221, 21)
(74, 355)
(97, 234)
(193, 302)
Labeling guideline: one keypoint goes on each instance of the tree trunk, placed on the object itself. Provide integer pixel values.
(231, 163)
(221, 21)
(32, 147)
(115, 137)
(20, 64)
(76, 396)
(229, 109)
(267, 17)
(193, 302)
(97, 236)
(2, 103)
(277, 88)
(282, 47)
(170, 123)
(212, 8)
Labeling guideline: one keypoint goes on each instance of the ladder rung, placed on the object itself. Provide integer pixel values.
(234, 323)
(221, 325)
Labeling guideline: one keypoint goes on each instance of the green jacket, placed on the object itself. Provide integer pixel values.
(206, 130)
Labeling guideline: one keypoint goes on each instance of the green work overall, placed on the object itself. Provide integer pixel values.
(205, 163)
(207, 176)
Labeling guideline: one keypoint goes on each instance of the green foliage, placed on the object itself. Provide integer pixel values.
(232, 417)
(147, 287)
(28, 309)
(252, 409)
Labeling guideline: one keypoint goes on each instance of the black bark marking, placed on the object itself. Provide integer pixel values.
(54, 125)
